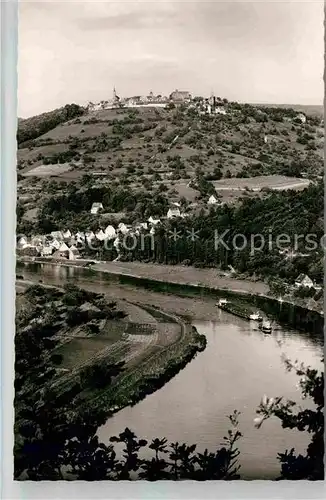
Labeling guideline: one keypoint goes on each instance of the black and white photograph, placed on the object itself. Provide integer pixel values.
(169, 241)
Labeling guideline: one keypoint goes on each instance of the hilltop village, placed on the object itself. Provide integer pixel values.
(177, 97)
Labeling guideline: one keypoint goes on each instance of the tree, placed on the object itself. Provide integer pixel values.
(100, 374)
(311, 465)
(277, 287)
(20, 210)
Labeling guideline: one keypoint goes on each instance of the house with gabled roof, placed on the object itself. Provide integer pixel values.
(22, 242)
(89, 235)
(96, 207)
(180, 96)
(80, 237)
(37, 240)
(303, 280)
(100, 235)
(123, 228)
(73, 253)
(153, 221)
(142, 225)
(57, 235)
(67, 234)
(173, 212)
(62, 252)
(47, 250)
(212, 200)
(63, 247)
(110, 232)
(55, 244)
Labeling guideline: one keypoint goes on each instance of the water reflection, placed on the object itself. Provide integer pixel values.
(239, 365)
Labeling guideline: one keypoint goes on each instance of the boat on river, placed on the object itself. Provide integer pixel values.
(255, 317)
(266, 327)
(240, 310)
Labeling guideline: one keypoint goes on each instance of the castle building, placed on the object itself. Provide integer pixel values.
(180, 96)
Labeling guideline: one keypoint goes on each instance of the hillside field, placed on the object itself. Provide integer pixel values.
(160, 150)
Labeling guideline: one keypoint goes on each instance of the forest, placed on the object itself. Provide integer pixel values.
(195, 240)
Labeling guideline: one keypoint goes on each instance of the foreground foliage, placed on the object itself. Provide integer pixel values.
(311, 465)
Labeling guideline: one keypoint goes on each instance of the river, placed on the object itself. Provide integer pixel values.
(239, 365)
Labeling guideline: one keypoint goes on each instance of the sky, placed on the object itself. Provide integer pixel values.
(258, 52)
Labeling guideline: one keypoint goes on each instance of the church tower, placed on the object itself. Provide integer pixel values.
(116, 98)
(212, 100)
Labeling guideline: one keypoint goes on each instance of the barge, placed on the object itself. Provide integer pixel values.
(239, 310)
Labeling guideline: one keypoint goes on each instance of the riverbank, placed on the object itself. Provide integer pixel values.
(289, 313)
(186, 275)
(155, 348)
(209, 280)
(141, 378)
(134, 385)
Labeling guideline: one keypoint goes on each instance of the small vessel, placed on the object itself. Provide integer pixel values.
(266, 326)
(255, 317)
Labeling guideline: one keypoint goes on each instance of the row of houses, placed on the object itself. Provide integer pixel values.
(176, 97)
(54, 246)
(64, 244)
(46, 248)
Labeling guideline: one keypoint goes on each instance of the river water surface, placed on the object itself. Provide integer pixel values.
(239, 365)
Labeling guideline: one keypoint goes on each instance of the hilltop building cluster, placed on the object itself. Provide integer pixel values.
(177, 97)
(117, 102)
(202, 105)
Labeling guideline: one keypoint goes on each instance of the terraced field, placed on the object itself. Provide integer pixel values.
(118, 341)
(147, 349)
(143, 340)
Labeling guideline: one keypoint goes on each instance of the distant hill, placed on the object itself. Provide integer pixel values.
(309, 109)
(33, 127)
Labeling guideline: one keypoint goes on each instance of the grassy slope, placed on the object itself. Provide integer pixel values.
(35, 126)
(208, 142)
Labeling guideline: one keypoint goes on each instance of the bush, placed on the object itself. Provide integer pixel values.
(310, 465)
(56, 359)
